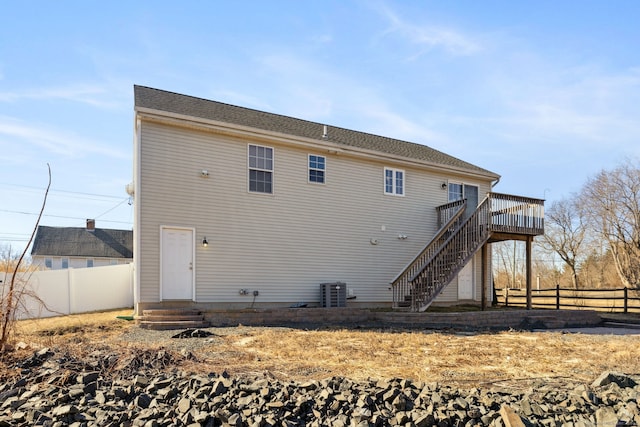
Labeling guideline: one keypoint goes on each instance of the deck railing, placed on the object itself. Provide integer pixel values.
(458, 240)
(451, 214)
(516, 214)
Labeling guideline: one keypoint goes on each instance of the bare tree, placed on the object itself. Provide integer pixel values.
(598, 270)
(565, 233)
(509, 269)
(14, 293)
(612, 202)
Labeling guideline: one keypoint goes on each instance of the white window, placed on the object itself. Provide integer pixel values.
(260, 169)
(48, 263)
(317, 167)
(65, 262)
(394, 181)
(455, 192)
(90, 262)
(459, 191)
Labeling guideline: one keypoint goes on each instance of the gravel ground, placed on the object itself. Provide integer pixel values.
(202, 346)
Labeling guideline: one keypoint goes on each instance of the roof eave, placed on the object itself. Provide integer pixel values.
(236, 130)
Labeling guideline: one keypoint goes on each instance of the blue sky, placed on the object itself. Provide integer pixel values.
(545, 93)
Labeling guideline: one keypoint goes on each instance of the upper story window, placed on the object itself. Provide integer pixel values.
(455, 192)
(260, 169)
(65, 262)
(394, 181)
(459, 191)
(90, 262)
(317, 168)
(48, 263)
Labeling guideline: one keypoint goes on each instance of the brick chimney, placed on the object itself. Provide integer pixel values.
(91, 225)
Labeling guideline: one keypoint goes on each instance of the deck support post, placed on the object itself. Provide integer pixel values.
(529, 272)
(484, 282)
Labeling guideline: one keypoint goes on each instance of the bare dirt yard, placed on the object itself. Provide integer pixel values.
(511, 358)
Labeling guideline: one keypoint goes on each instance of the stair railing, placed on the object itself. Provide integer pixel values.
(451, 257)
(449, 214)
(459, 239)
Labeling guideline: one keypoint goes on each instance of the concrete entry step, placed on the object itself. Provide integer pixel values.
(167, 318)
(175, 318)
(171, 311)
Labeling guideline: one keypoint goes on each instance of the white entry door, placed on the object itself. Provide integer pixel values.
(177, 253)
(465, 282)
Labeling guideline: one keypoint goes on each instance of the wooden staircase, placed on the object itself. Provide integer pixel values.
(176, 318)
(460, 236)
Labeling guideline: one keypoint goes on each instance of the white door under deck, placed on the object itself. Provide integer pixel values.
(177, 263)
(465, 282)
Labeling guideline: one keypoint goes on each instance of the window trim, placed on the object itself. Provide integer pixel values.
(323, 170)
(394, 183)
(271, 171)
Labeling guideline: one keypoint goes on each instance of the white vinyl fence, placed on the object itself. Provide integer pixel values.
(72, 291)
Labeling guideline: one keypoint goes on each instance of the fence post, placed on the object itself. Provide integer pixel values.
(506, 296)
(626, 300)
(557, 296)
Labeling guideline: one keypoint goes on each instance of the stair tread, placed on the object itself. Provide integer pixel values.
(165, 318)
(171, 311)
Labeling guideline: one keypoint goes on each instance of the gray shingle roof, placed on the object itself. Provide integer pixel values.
(78, 242)
(170, 102)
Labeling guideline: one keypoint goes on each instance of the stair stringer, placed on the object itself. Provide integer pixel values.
(443, 266)
(440, 285)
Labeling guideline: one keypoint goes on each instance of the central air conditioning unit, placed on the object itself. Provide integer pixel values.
(333, 294)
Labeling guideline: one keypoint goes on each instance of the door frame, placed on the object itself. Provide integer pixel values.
(470, 209)
(192, 230)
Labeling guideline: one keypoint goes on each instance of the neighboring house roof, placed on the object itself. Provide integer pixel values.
(79, 242)
(160, 100)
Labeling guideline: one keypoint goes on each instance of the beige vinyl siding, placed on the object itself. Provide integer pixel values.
(286, 243)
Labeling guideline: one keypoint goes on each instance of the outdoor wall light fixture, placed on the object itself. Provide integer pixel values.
(444, 186)
(205, 242)
(204, 173)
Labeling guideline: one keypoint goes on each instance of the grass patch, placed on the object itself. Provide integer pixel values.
(468, 359)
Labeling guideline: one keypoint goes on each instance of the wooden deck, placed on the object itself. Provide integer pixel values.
(462, 233)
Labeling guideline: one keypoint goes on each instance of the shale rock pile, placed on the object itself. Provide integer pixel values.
(145, 389)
